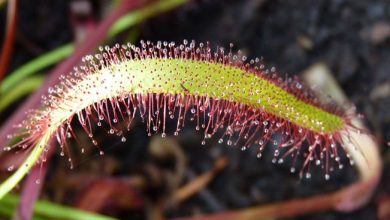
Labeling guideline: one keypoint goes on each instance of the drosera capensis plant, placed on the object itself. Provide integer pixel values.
(221, 91)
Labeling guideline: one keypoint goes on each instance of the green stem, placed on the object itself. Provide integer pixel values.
(7, 210)
(35, 65)
(140, 15)
(30, 161)
(19, 90)
(50, 210)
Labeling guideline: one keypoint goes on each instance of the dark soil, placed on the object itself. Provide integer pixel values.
(290, 35)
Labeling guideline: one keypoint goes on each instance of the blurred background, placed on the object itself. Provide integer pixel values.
(150, 177)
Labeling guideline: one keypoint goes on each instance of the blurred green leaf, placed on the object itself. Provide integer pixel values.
(47, 210)
(19, 90)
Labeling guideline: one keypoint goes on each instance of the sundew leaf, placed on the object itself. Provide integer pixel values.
(218, 89)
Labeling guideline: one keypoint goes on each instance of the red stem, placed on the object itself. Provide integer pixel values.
(296, 207)
(9, 39)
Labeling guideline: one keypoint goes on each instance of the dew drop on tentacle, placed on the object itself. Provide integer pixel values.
(11, 168)
(327, 176)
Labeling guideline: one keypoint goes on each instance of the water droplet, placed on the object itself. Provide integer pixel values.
(163, 135)
(280, 161)
(220, 141)
(229, 142)
(203, 142)
(308, 175)
(123, 139)
(38, 181)
(318, 162)
(327, 177)
(259, 155)
(292, 169)
(101, 152)
(155, 128)
(176, 133)
(111, 131)
(193, 111)
(10, 168)
(243, 148)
